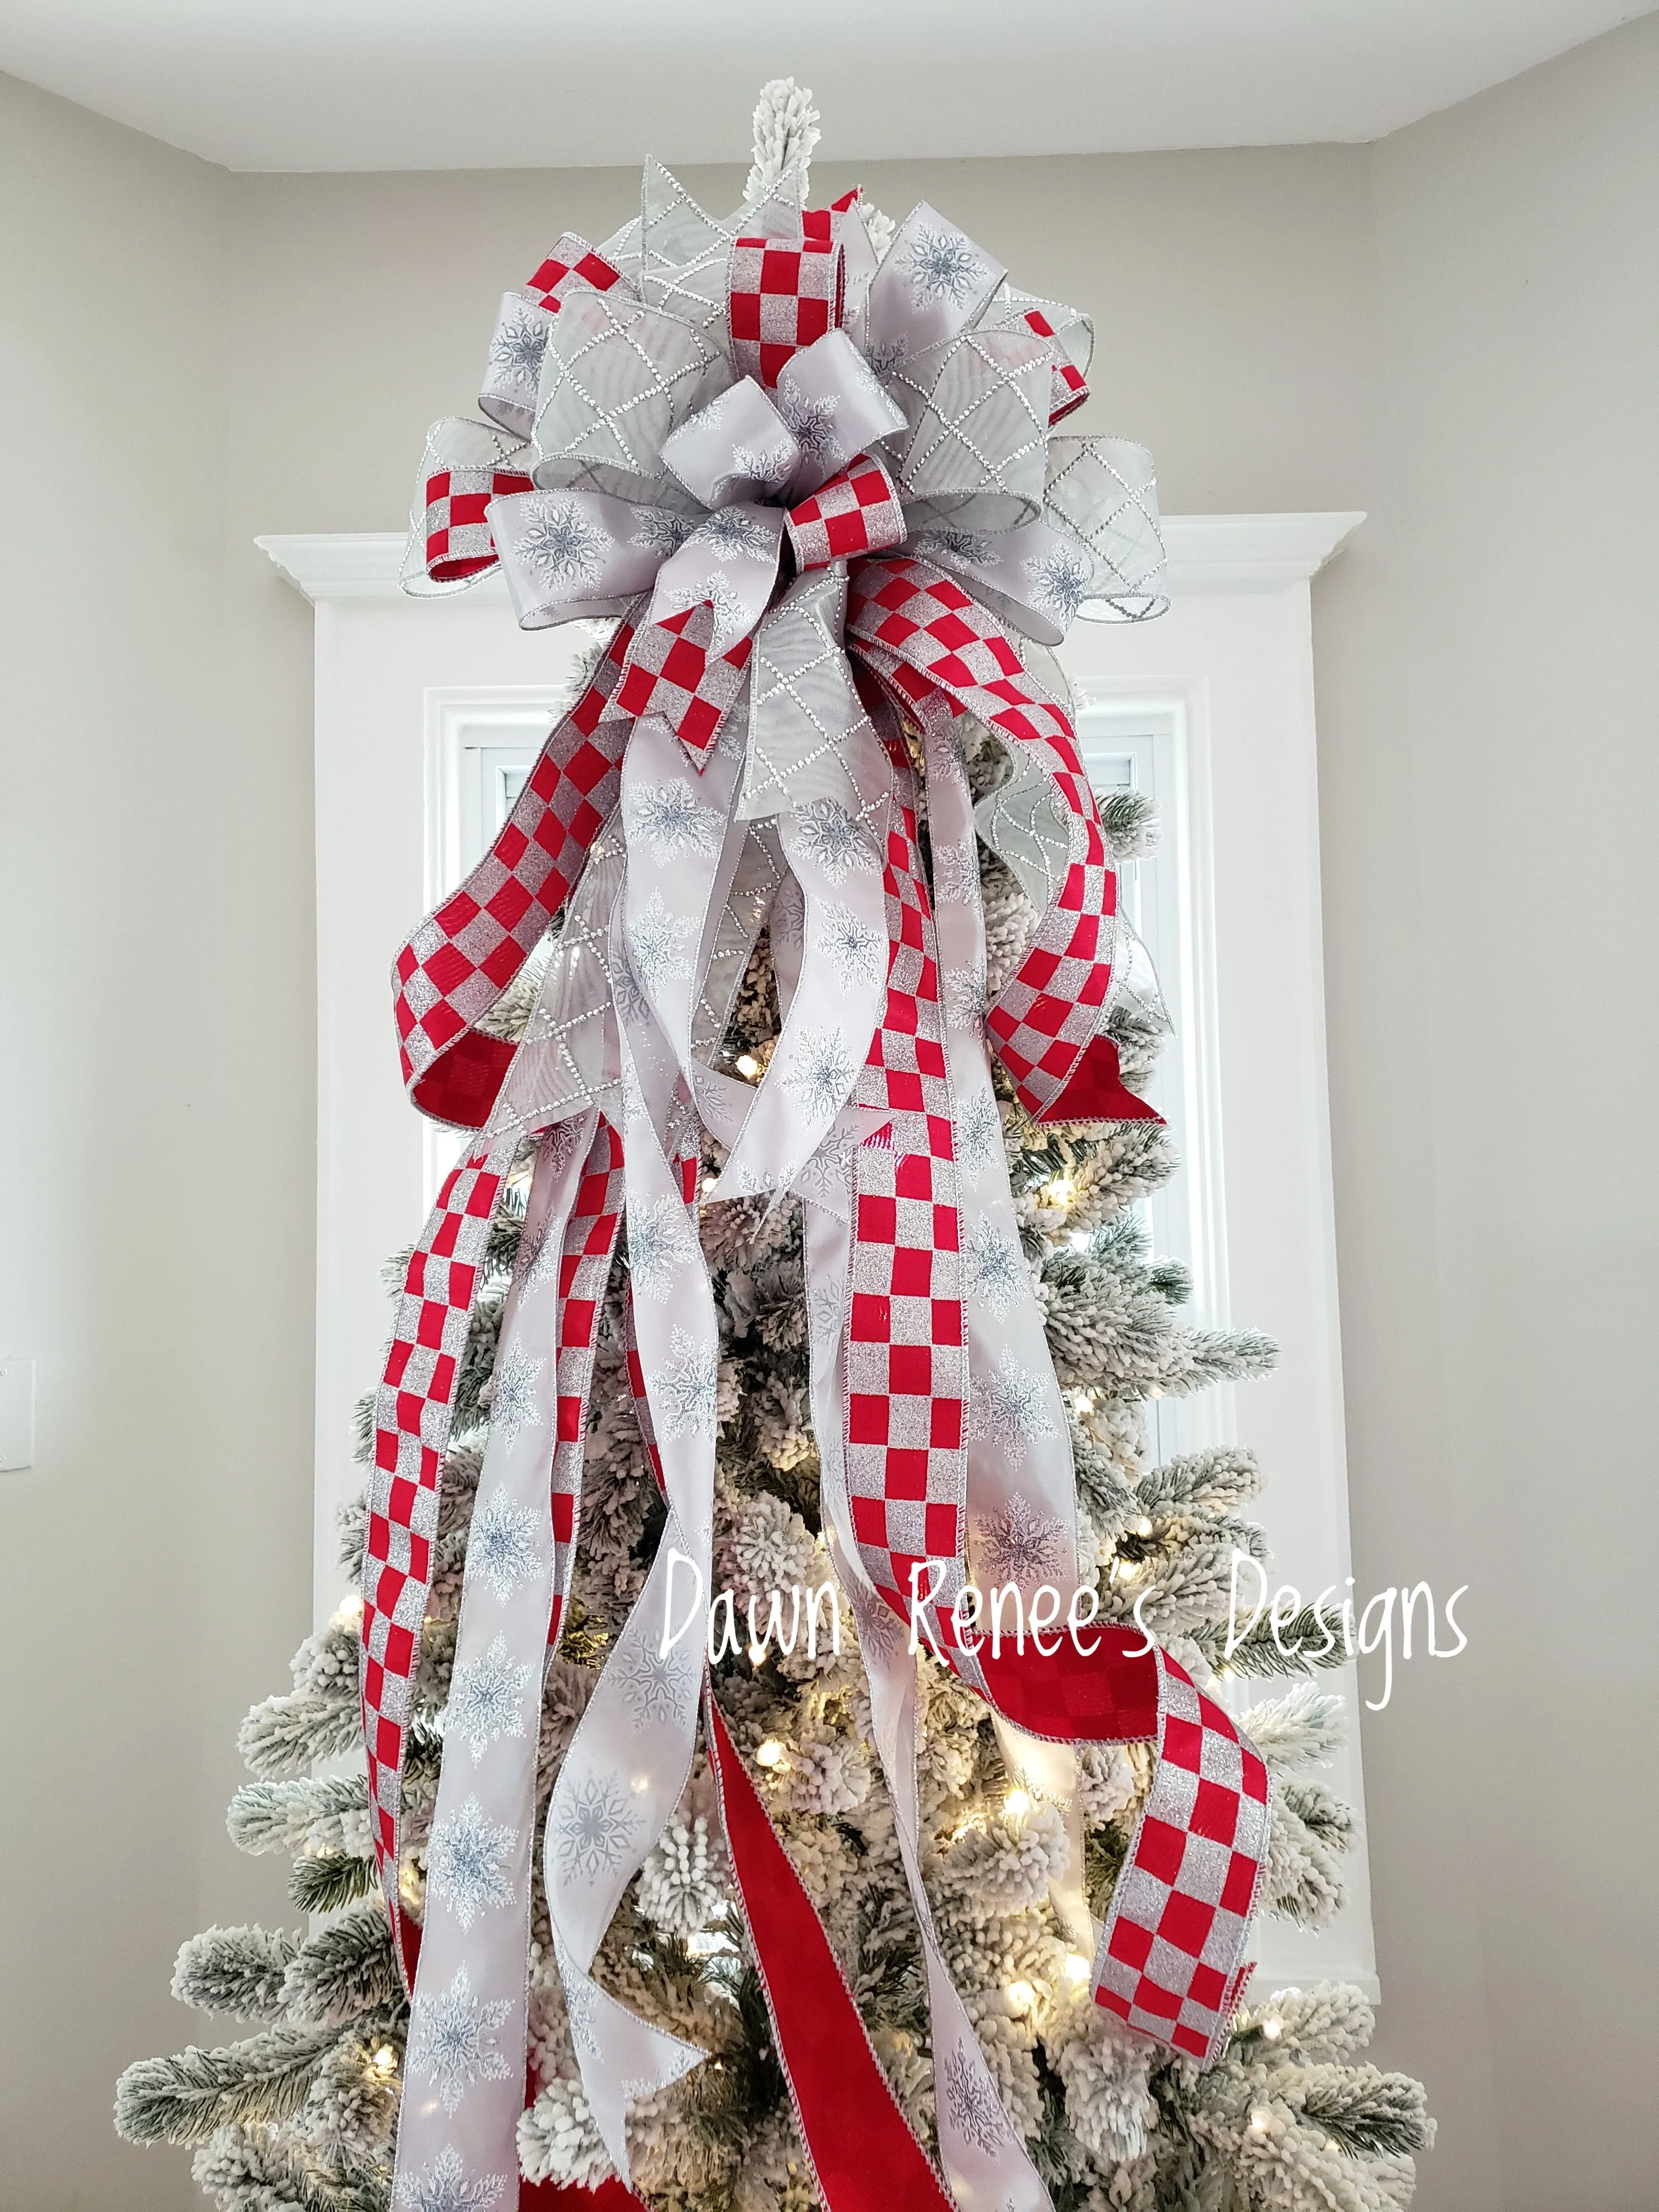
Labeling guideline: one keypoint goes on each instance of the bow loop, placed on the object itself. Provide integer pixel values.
(933, 284)
(513, 366)
(734, 448)
(571, 555)
(835, 408)
(856, 512)
(1102, 494)
(465, 466)
(618, 379)
(785, 293)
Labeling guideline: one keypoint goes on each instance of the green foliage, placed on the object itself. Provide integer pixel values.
(328, 1879)
(185, 2098)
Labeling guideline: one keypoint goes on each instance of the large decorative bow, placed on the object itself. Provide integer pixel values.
(816, 490)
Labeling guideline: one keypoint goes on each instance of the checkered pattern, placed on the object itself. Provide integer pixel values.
(412, 1416)
(907, 1358)
(1170, 1961)
(1171, 1957)
(785, 294)
(1069, 389)
(855, 513)
(465, 953)
(923, 634)
(457, 540)
(670, 669)
(413, 1412)
(571, 266)
(585, 1261)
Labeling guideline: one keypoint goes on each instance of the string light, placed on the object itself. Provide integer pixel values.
(1260, 2120)
(350, 1614)
(1124, 1571)
(1078, 1968)
(771, 1753)
(1272, 2028)
(1143, 1526)
(1017, 1804)
(385, 2061)
(1058, 1190)
(747, 1066)
(1021, 1997)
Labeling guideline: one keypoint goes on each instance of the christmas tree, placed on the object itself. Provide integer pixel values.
(303, 2113)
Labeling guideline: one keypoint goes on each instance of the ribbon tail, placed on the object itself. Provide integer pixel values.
(863, 2155)
(469, 2017)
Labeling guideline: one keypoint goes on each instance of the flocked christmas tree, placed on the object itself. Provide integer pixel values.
(299, 2115)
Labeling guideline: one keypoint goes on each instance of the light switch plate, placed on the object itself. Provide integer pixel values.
(17, 1415)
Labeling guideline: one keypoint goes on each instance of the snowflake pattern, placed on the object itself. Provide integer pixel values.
(732, 535)
(659, 1241)
(660, 943)
(516, 350)
(689, 1389)
(763, 465)
(452, 2037)
(502, 1546)
(993, 1269)
(581, 2000)
(655, 1682)
(512, 1407)
(788, 920)
(593, 1828)
(956, 873)
(943, 266)
(467, 1862)
(820, 1071)
(731, 612)
(829, 835)
(1019, 1544)
(971, 547)
(972, 2104)
(672, 821)
(979, 1133)
(1012, 1409)
(487, 1699)
(659, 530)
(443, 2187)
(826, 1312)
(812, 422)
(1059, 583)
(964, 999)
(561, 545)
(854, 947)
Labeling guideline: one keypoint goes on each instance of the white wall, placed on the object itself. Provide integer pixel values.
(155, 912)
(1488, 761)
(1454, 330)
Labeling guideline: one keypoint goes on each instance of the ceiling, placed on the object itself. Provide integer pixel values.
(439, 84)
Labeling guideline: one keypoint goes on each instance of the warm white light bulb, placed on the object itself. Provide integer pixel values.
(350, 1614)
(1017, 1804)
(1126, 1570)
(771, 1753)
(1058, 1190)
(1143, 1526)
(1273, 2028)
(1021, 1996)
(384, 2060)
(1260, 2120)
(747, 1066)
(1078, 1968)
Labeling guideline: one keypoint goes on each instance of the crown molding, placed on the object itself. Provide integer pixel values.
(1207, 553)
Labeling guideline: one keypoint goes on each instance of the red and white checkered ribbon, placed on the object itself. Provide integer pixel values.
(819, 461)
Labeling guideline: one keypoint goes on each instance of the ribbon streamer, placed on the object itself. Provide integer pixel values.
(819, 493)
